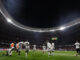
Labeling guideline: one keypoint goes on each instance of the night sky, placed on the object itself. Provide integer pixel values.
(43, 14)
(40, 14)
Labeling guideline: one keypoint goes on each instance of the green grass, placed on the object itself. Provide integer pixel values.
(38, 55)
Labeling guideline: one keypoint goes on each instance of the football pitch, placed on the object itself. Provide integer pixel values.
(38, 55)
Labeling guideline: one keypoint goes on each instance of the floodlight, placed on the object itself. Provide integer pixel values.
(9, 20)
(62, 28)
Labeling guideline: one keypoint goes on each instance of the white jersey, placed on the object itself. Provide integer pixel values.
(49, 45)
(26, 44)
(77, 45)
(44, 48)
(52, 46)
(20, 45)
(34, 47)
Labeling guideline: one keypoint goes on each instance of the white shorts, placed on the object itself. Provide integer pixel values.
(34, 48)
(9, 52)
(49, 49)
(44, 49)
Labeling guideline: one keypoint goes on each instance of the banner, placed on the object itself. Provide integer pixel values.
(54, 38)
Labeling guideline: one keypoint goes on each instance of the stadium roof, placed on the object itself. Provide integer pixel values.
(9, 19)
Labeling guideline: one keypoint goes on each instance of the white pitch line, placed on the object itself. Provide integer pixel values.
(61, 54)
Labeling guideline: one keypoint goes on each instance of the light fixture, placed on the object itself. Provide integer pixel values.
(62, 28)
(9, 20)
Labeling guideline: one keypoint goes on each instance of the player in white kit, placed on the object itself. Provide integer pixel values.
(49, 48)
(77, 44)
(27, 47)
(53, 47)
(9, 52)
(44, 49)
(34, 47)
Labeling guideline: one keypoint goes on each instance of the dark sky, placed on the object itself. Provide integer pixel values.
(43, 14)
